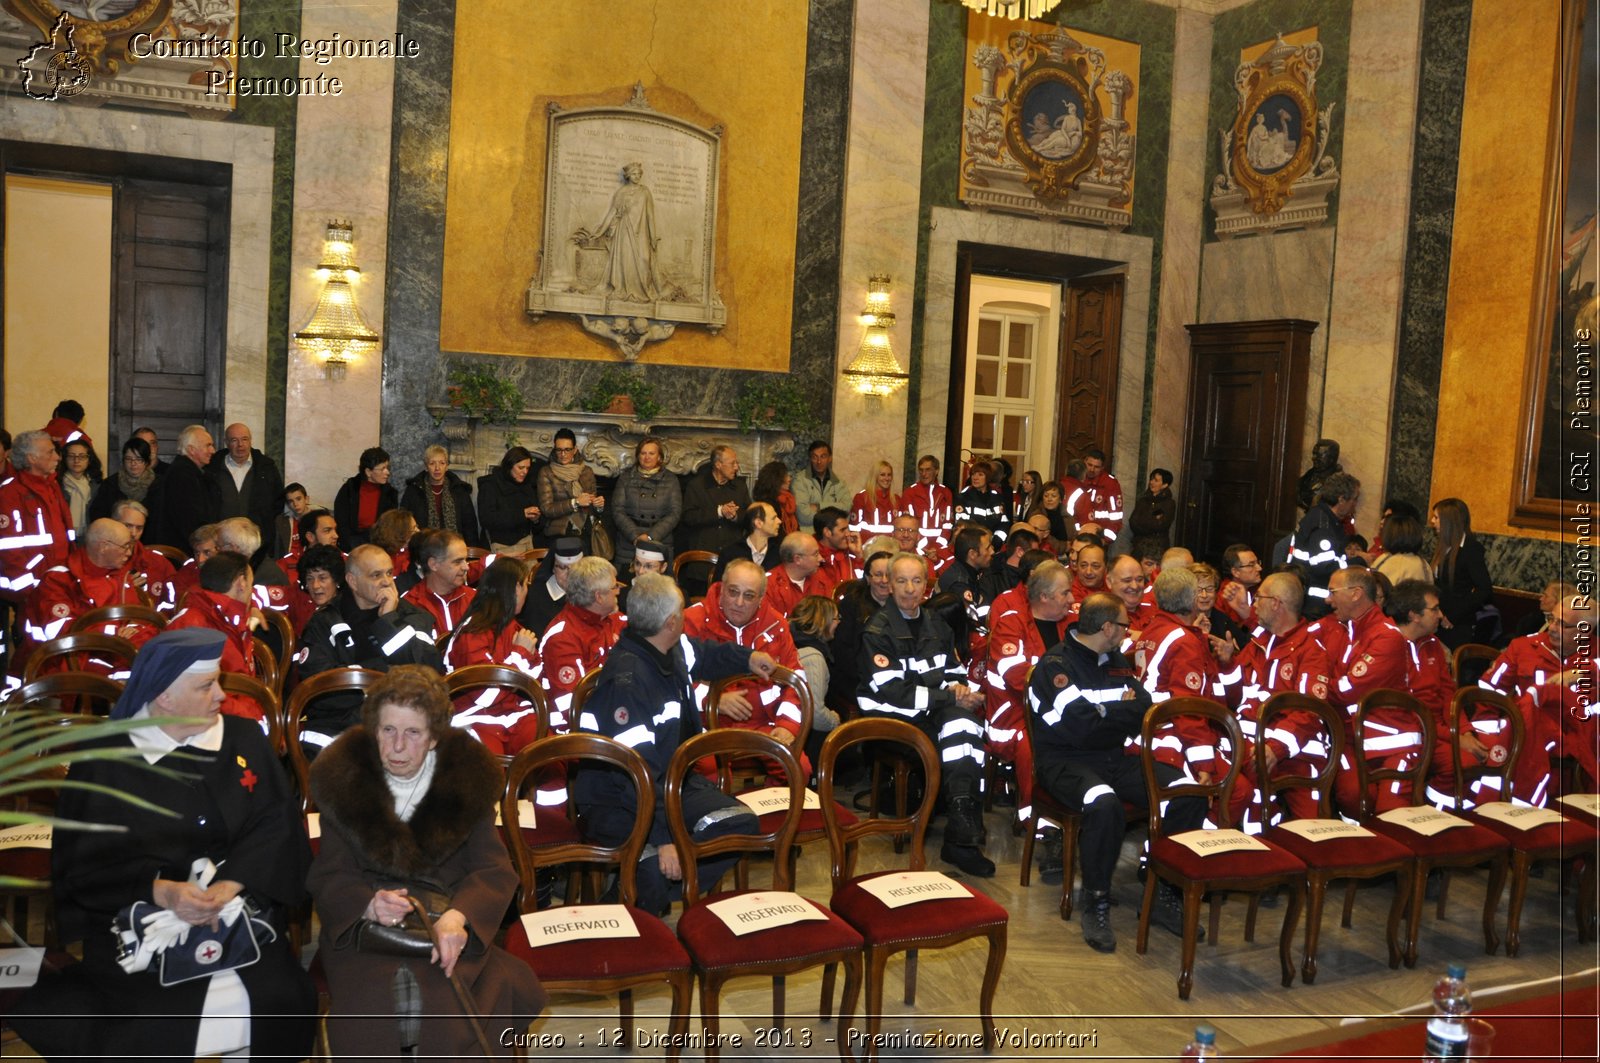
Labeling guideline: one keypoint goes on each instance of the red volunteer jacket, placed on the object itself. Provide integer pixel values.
(575, 644)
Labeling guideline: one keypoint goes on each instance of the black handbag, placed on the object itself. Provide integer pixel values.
(409, 937)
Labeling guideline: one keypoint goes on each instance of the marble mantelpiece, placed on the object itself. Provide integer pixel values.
(607, 440)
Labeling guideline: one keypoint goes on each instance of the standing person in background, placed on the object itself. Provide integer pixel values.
(1321, 543)
(77, 486)
(365, 497)
(647, 502)
(931, 502)
(567, 493)
(440, 499)
(248, 483)
(1462, 571)
(714, 502)
(979, 503)
(185, 498)
(508, 504)
(1098, 499)
(817, 487)
(762, 539)
(772, 487)
(131, 481)
(148, 434)
(1155, 510)
(873, 510)
(1400, 561)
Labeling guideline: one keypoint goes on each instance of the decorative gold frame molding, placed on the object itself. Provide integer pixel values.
(103, 44)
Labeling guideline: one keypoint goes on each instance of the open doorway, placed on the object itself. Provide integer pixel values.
(1034, 359)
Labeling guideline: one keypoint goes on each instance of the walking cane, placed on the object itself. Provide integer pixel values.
(469, 1007)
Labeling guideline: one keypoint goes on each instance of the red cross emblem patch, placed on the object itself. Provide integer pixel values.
(880, 660)
(621, 716)
(1285, 671)
(248, 780)
(1194, 680)
(568, 675)
(1359, 668)
(1008, 648)
(61, 610)
(208, 953)
(1497, 754)
(1060, 681)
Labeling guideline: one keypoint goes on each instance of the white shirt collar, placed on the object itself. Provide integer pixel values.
(153, 743)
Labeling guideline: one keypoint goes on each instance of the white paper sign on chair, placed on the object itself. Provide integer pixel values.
(1522, 817)
(775, 799)
(527, 815)
(579, 923)
(1589, 803)
(19, 968)
(914, 887)
(1212, 842)
(749, 912)
(27, 836)
(1423, 819)
(1322, 830)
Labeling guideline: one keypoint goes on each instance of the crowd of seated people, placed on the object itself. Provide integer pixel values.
(929, 602)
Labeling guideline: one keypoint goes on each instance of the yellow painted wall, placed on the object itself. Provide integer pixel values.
(57, 302)
(1506, 128)
(734, 62)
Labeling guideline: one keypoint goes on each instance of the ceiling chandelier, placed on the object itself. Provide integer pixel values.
(1013, 9)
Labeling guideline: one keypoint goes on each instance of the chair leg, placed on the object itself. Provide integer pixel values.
(991, 982)
(1216, 918)
(1444, 894)
(1397, 908)
(682, 984)
(710, 1018)
(1317, 888)
(778, 986)
(1419, 885)
(1191, 926)
(1520, 862)
(625, 1015)
(911, 978)
(1249, 919)
(1586, 901)
(1069, 865)
(825, 1007)
(902, 779)
(1291, 919)
(847, 1002)
(1029, 830)
(1491, 901)
(1350, 897)
(1143, 937)
(876, 960)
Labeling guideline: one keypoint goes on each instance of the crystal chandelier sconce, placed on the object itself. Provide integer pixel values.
(875, 370)
(337, 331)
(1013, 9)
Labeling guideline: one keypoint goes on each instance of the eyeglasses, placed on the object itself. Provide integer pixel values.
(1120, 623)
(566, 450)
(1248, 564)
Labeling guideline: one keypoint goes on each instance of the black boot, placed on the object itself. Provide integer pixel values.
(963, 831)
(1167, 912)
(1051, 870)
(1096, 919)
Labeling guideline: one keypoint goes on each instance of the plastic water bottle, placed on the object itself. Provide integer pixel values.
(1452, 1003)
(1204, 1045)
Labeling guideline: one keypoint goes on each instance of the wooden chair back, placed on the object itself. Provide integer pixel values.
(842, 838)
(79, 649)
(83, 691)
(1218, 791)
(266, 663)
(264, 696)
(1320, 784)
(308, 690)
(1470, 661)
(738, 745)
(119, 615)
(598, 751)
(171, 553)
(1469, 704)
(580, 694)
(502, 677)
(1370, 777)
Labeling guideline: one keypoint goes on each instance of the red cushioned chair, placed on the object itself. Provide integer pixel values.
(929, 925)
(1193, 874)
(1568, 841)
(1347, 858)
(1457, 847)
(812, 826)
(718, 953)
(607, 965)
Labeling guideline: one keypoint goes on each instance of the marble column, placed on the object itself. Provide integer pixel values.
(1369, 252)
(1188, 163)
(341, 171)
(883, 175)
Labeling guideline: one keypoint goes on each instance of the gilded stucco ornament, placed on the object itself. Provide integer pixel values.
(1037, 139)
(1276, 170)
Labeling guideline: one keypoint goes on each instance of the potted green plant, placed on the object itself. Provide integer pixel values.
(775, 403)
(479, 392)
(619, 391)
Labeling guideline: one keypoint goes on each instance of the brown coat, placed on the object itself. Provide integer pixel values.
(451, 840)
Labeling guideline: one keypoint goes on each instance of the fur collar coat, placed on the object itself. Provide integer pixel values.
(348, 784)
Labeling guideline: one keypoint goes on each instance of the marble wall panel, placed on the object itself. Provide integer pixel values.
(879, 232)
(414, 364)
(1167, 386)
(1369, 254)
(249, 150)
(1443, 55)
(1276, 275)
(342, 147)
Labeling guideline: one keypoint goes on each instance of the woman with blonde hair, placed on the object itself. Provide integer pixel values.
(876, 505)
(647, 502)
(438, 498)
